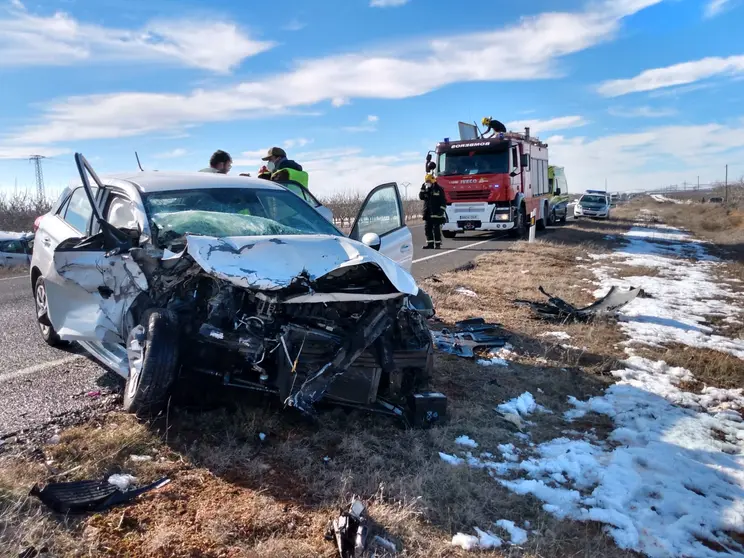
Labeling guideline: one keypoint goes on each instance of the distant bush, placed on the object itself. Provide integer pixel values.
(19, 210)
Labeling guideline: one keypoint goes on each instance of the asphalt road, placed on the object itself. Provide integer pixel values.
(39, 384)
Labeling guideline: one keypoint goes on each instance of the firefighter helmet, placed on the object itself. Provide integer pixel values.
(486, 121)
(429, 179)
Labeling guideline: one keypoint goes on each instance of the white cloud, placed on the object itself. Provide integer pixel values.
(347, 169)
(651, 158)
(418, 68)
(716, 7)
(538, 126)
(297, 142)
(387, 3)
(373, 118)
(294, 25)
(61, 40)
(174, 154)
(641, 112)
(24, 151)
(678, 74)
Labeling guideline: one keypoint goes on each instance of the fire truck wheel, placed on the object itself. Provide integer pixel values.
(542, 223)
(521, 227)
(449, 234)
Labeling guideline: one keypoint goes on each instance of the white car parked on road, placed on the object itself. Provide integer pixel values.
(15, 249)
(162, 274)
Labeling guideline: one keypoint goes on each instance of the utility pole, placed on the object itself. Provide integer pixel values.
(726, 184)
(39, 174)
(405, 187)
(698, 186)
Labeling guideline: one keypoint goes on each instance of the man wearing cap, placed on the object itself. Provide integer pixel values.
(276, 160)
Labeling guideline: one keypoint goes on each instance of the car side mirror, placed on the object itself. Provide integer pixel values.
(430, 166)
(372, 240)
(557, 191)
(525, 160)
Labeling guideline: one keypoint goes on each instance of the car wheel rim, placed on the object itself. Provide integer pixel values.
(41, 307)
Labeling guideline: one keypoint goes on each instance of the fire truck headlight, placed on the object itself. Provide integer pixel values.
(501, 217)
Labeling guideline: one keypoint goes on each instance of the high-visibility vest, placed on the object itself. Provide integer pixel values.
(300, 177)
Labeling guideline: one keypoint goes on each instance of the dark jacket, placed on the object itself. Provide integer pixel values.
(287, 164)
(435, 204)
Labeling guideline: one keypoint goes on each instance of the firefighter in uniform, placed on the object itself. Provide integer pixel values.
(435, 207)
(493, 126)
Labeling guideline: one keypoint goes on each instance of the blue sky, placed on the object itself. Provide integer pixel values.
(643, 93)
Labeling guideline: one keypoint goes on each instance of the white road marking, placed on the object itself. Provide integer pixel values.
(9, 278)
(38, 368)
(438, 254)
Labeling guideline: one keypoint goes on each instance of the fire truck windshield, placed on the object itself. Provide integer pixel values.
(473, 162)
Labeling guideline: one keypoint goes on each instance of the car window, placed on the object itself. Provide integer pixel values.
(295, 189)
(78, 211)
(381, 214)
(12, 247)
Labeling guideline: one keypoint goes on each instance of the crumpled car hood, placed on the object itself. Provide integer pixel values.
(270, 263)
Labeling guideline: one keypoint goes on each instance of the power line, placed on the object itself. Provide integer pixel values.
(39, 174)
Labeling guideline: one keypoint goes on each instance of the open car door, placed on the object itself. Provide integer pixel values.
(381, 224)
(94, 281)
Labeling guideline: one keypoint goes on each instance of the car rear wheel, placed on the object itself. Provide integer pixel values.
(48, 333)
(153, 363)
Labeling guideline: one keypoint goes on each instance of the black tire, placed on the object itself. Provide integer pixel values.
(48, 333)
(159, 368)
(520, 229)
(562, 220)
(551, 217)
(449, 234)
(540, 224)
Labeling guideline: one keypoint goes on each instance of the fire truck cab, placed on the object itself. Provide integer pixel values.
(493, 184)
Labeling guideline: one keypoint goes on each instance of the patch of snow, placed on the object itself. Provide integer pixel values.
(509, 452)
(466, 441)
(517, 534)
(451, 459)
(681, 296)
(674, 476)
(140, 458)
(466, 292)
(557, 334)
(122, 482)
(523, 405)
(493, 361)
(54, 440)
(483, 541)
(663, 199)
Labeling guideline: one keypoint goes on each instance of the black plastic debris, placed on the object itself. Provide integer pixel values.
(558, 309)
(349, 530)
(88, 496)
(469, 337)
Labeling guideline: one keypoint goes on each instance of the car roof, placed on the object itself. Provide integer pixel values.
(155, 181)
(14, 236)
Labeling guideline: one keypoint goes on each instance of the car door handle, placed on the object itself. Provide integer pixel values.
(405, 248)
(46, 240)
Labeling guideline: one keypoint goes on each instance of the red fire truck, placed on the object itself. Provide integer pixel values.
(492, 184)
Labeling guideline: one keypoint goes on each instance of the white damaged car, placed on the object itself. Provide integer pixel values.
(162, 275)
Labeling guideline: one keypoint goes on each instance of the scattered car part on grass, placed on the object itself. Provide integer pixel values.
(469, 338)
(238, 279)
(350, 530)
(88, 496)
(558, 309)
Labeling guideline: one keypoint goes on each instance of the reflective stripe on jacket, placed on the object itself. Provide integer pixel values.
(300, 177)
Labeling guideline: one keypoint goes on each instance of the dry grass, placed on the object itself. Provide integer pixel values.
(710, 368)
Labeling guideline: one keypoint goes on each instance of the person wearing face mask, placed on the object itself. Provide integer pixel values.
(276, 160)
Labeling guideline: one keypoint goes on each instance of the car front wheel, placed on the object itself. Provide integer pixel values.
(48, 333)
(152, 349)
